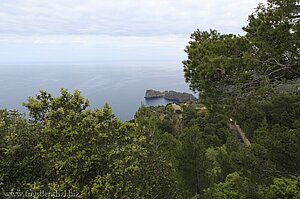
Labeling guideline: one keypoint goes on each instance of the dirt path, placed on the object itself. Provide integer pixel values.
(240, 133)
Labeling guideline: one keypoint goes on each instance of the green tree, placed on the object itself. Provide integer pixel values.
(273, 31)
(221, 66)
(285, 188)
(215, 63)
(93, 153)
(193, 162)
(235, 186)
(19, 163)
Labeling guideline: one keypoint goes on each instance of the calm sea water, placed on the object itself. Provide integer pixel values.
(123, 87)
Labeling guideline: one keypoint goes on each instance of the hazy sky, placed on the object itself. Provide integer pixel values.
(111, 31)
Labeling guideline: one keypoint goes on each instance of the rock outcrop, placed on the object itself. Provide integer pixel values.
(153, 94)
(170, 95)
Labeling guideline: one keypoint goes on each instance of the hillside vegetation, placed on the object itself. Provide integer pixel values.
(174, 151)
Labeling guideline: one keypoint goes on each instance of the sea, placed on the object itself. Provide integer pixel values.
(121, 86)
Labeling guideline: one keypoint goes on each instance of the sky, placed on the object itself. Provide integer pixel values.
(115, 31)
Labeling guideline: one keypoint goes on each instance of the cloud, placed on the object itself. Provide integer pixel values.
(112, 30)
(122, 17)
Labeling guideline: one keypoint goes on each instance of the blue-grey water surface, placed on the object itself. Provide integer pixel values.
(123, 87)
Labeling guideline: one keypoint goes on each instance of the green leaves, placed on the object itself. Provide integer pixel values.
(161, 154)
(235, 186)
(252, 79)
(222, 66)
(66, 147)
(44, 105)
(282, 188)
(214, 60)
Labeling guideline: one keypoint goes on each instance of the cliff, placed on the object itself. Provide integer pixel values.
(170, 95)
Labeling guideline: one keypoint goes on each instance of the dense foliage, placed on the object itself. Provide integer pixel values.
(65, 146)
(227, 64)
(185, 151)
(254, 80)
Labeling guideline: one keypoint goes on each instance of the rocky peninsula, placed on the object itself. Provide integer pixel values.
(170, 95)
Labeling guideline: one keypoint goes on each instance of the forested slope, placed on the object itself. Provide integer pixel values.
(64, 147)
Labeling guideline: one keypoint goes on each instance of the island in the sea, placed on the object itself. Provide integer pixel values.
(170, 95)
